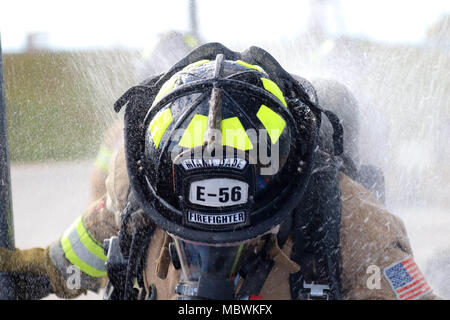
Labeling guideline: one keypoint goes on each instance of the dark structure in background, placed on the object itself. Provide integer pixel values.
(6, 213)
(193, 21)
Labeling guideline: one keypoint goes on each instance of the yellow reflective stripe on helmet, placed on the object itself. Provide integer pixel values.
(273, 88)
(248, 65)
(103, 159)
(195, 64)
(272, 121)
(159, 125)
(83, 251)
(234, 135)
(166, 88)
(193, 135)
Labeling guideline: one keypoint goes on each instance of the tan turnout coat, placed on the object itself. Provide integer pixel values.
(372, 239)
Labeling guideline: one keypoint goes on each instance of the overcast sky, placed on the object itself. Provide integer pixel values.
(134, 23)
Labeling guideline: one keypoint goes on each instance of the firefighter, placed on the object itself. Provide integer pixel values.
(221, 191)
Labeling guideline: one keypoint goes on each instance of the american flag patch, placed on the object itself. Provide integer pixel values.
(406, 279)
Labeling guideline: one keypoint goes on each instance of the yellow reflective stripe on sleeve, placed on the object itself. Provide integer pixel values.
(248, 65)
(273, 88)
(83, 251)
(234, 135)
(193, 135)
(159, 125)
(195, 64)
(103, 159)
(83, 266)
(166, 88)
(272, 121)
(89, 242)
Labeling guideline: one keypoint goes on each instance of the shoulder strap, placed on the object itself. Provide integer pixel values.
(126, 253)
(259, 266)
(317, 235)
(256, 273)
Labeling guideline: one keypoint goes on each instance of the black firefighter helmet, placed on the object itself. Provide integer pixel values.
(219, 150)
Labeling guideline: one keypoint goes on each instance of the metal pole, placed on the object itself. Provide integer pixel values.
(6, 212)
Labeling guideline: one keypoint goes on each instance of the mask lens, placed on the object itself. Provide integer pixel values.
(198, 260)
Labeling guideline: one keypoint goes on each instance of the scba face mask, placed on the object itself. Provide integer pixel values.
(214, 272)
